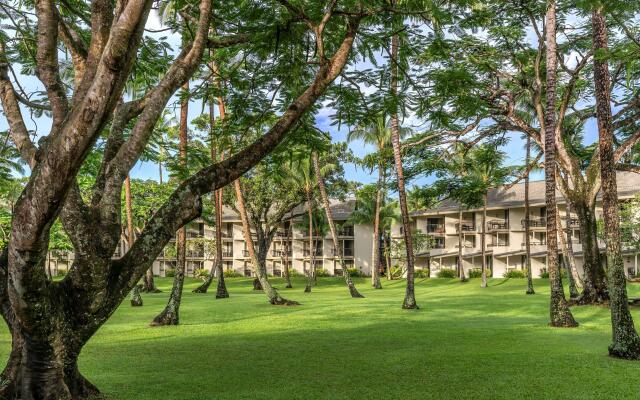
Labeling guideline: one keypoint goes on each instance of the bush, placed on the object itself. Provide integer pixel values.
(515, 273)
(232, 273)
(354, 272)
(170, 272)
(201, 273)
(294, 273)
(62, 272)
(421, 273)
(322, 273)
(447, 273)
(475, 273)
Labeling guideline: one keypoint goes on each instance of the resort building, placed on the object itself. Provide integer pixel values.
(505, 232)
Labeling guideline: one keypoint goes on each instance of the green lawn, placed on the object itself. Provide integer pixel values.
(464, 343)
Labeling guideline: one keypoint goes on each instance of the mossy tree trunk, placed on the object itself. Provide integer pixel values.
(625, 340)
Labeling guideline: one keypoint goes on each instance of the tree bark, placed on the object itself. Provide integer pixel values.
(527, 227)
(461, 273)
(332, 227)
(559, 311)
(410, 296)
(570, 253)
(312, 256)
(171, 314)
(136, 299)
(287, 249)
(375, 259)
(566, 260)
(483, 242)
(625, 340)
(270, 291)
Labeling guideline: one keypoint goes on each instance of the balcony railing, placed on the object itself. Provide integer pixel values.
(435, 228)
(227, 254)
(192, 235)
(497, 225)
(574, 223)
(283, 233)
(464, 246)
(535, 222)
(466, 227)
(498, 244)
(227, 234)
(535, 243)
(347, 252)
(307, 252)
(438, 245)
(280, 253)
(195, 254)
(345, 231)
(245, 253)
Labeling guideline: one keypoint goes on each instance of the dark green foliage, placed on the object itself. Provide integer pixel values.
(170, 272)
(515, 273)
(322, 273)
(421, 273)
(355, 272)
(231, 273)
(475, 273)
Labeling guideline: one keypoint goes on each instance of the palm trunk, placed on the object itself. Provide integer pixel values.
(332, 227)
(375, 259)
(527, 228)
(483, 243)
(625, 340)
(559, 311)
(594, 283)
(463, 278)
(287, 249)
(270, 291)
(387, 254)
(312, 267)
(171, 314)
(409, 297)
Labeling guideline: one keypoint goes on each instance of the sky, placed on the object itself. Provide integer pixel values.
(144, 170)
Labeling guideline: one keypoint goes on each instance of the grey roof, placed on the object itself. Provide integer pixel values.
(503, 197)
(341, 210)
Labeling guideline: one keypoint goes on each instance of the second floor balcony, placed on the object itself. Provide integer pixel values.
(307, 252)
(347, 252)
(435, 228)
(280, 253)
(534, 222)
(465, 227)
(535, 243)
(497, 225)
(227, 254)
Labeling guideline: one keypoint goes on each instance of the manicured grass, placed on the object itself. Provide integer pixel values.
(464, 343)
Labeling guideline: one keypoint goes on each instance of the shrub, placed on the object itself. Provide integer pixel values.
(354, 272)
(422, 273)
(62, 272)
(232, 273)
(170, 272)
(447, 273)
(294, 273)
(515, 273)
(322, 273)
(475, 273)
(201, 273)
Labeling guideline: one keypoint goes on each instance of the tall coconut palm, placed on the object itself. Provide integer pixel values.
(171, 313)
(560, 314)
(625, 339)
(332, 226)
(527, 227)
(378, 133)
(258, 267)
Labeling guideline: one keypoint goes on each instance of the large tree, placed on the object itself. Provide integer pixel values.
(48, 332)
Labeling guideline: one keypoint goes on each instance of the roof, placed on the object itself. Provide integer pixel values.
(341, 210)
(503, 197)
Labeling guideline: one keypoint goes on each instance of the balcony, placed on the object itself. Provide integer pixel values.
(195, 253)
(347, 252)
(535, 222)
(438, 245)
(307, 252)
(466, 227)
(227, 254)
(283, 234)
(194, 235)
(227, 234)
(535, 243)
(573, 223)
(280, 253)
(464, 246)
(435, 229)
(245, 253)
(498, 244)
(345, 231)
(497, 225)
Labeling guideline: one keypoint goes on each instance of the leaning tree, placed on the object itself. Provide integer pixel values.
(50, 322)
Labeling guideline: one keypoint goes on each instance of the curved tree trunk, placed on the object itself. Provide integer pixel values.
(270, 291)
(527, 228)
(312, 254)
(410, 296)
(287, 249)
(332, 227)
(559, 311)
(594, 283)
(625, 340)
(171, 313)
(566, 260)
(483, 243)
(572, 259)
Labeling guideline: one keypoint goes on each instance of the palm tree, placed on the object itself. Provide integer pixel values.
(258, 267)
(171, 314)
(332, 226)
(559, 311)
(377, 133)
(527, 228)
(626, 342)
